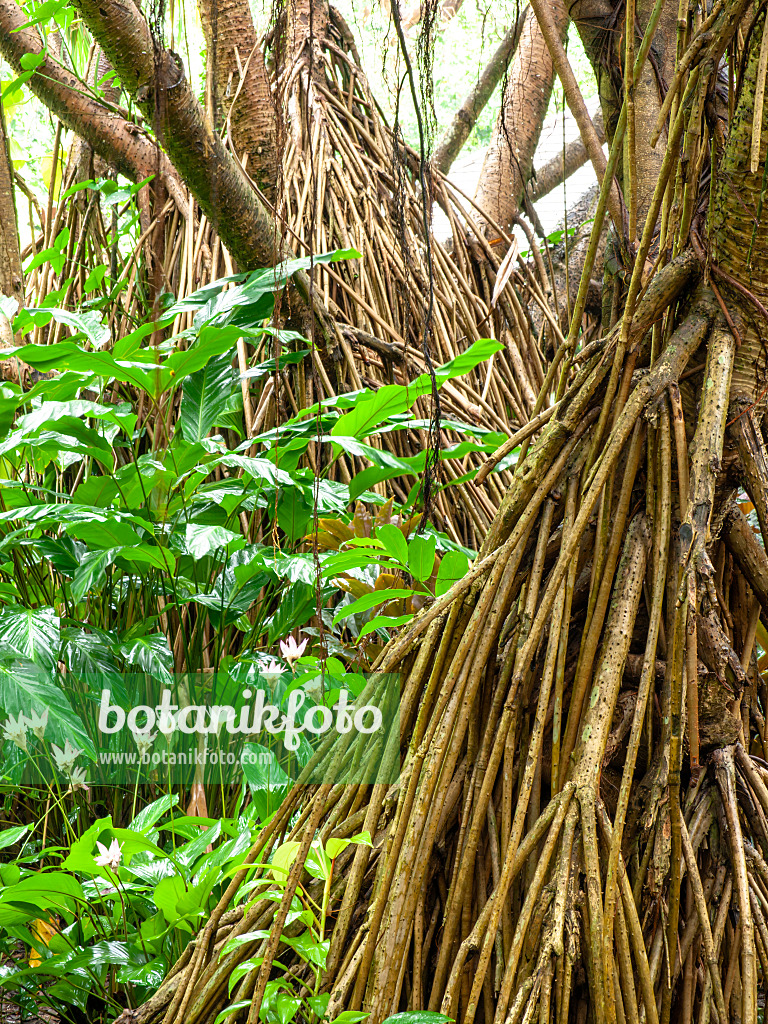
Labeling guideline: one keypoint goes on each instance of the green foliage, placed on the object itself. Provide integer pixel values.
(143, 535)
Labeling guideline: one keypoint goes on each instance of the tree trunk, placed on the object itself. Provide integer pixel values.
(509, 160)
(557, 170)
(11, 278)
(464, 120)
(242, 89)
(157, 82)
(111, 135)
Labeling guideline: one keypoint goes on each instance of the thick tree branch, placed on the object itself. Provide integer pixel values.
(10, 258)
(563, 164)
(157, 82)
(508, 162)
(545, 11)
(114, 138)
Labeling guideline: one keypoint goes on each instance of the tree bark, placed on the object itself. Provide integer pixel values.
(119, 141)
(11, 278)
(157, 82)
(241, 87)
(464, 120)
(509, 160)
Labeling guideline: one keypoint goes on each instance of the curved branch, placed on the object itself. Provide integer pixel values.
(156, 79)
(112, 136)
(464, 120)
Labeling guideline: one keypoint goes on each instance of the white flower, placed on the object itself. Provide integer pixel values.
(110, 856)
(38, 723)
(270, 672)
(144, 740)
(77, 780)
(292, 651)
(65, 759)
(16, 731)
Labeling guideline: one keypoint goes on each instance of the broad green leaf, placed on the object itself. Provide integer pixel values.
(35, 634)
(148, 815)
(9, 836)
(421, 557)
(377, 406)
(26, 688)
(384, 622)
(454, 566)
(394, 542)
(418, 1017)
(372, 600)
(205, 397)
(282, 859)
(205, 540)
(92, 572)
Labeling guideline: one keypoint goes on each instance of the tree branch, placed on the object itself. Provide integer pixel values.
(156, 79)
(119, 141)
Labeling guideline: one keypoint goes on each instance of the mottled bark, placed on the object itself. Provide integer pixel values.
(509, 160)
(11, 280)
(242, 91)
(464, 120)
(157, 82)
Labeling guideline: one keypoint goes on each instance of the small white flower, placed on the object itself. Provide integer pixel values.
(110, 856)
(16, 731)
(38, 723)
(65, 759)
(270, 672)
(292, 651)
(77, 780)
(144, 740)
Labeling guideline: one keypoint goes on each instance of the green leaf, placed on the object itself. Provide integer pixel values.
(35, 634)
(205, 540)
(205, 397)
(148, 815)
(282, 859)
(418, 1017)
(26, 687)
(166, 896)
(385, 622)
(221, 1017)
(375, 407)
(421, 557)
(92, 572)
(454, 566)
(372, 600)
(9, 836)
(394, 542)
(47, 890)
(87, 323)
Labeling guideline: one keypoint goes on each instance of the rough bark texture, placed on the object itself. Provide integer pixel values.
(509, 160)
(242, 88)
(465, 118)
(161, 89)
(11, 279)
